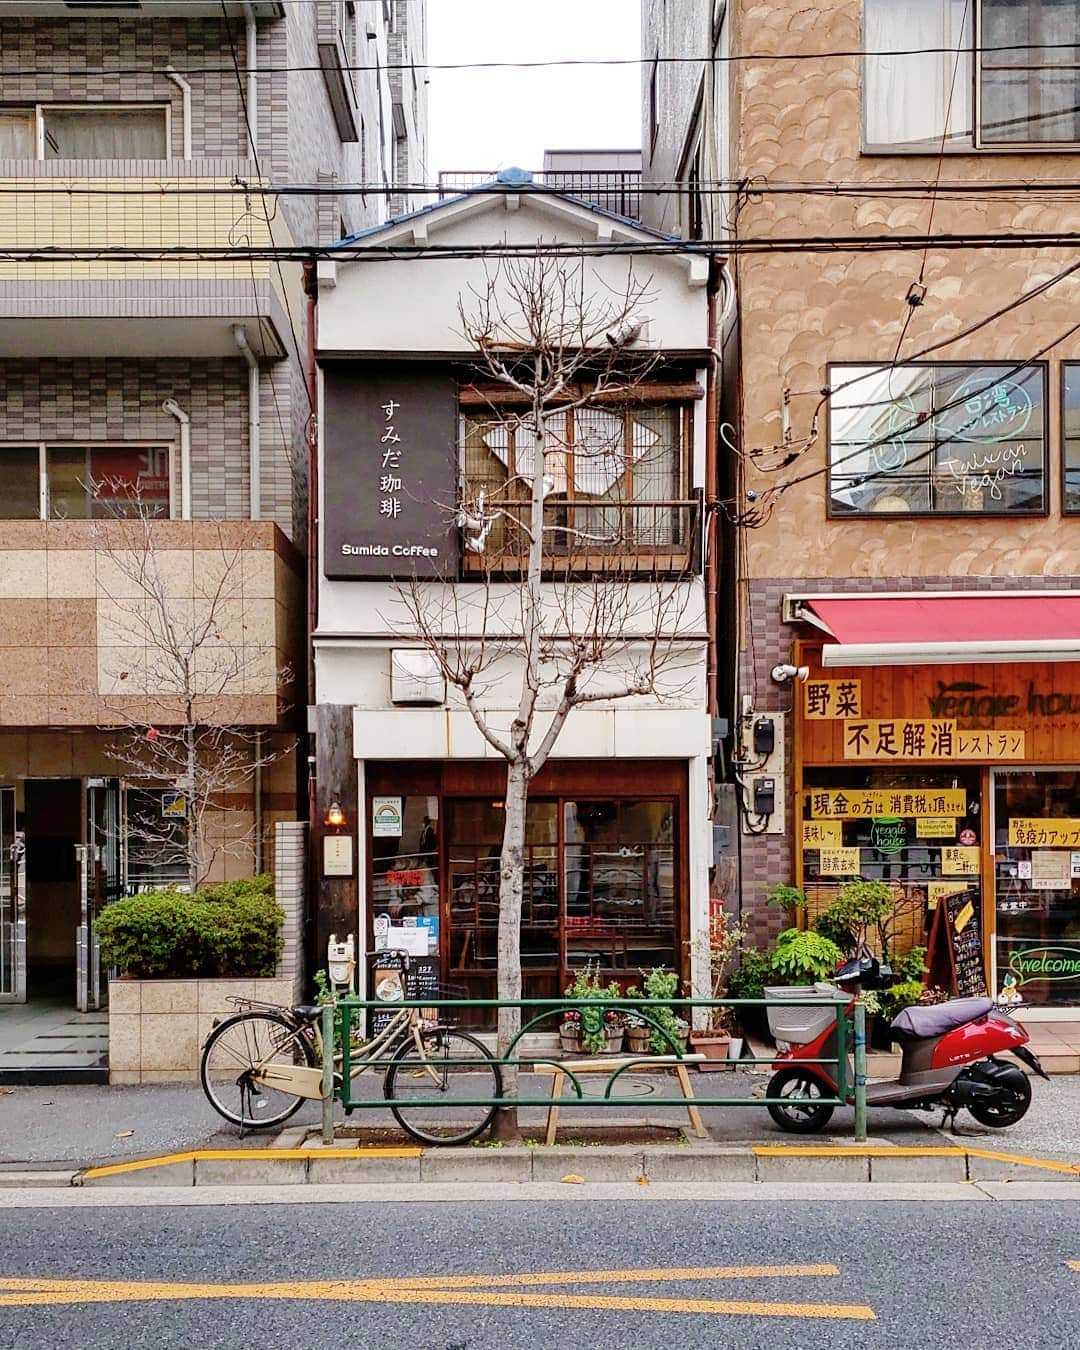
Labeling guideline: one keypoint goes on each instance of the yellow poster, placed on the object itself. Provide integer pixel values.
(967, 913)
(935, 827)
(900, 738)
(1037, 832)
(840, 862)
(941, 890)
(831, 700)
(960, 862)
(822, 833)
(869, 803)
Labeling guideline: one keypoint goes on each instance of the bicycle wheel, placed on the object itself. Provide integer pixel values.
(455, 1067)
(234, 1049)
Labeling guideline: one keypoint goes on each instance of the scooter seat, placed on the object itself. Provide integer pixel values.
(924, 1023)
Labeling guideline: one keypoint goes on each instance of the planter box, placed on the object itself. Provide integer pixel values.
(157, 1027)
(714, 1046)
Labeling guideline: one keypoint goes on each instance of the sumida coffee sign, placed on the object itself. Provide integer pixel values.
(389, 472)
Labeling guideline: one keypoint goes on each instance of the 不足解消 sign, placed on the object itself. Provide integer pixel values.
(866, 803)
(389, 471)
(922, 739)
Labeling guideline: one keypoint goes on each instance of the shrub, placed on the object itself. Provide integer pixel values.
(749, 980)
(910, 967)
(228, 930)
(905, 994)
(802, 956)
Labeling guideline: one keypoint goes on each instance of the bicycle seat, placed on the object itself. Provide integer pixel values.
(308, 1012)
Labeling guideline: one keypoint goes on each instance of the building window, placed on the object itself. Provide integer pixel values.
(84, 482)
(1070, 384)
(971, 73)
(86, 131)
(615, 480)
(937, 439)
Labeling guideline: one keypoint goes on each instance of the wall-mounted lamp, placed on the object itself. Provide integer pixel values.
(335, 816)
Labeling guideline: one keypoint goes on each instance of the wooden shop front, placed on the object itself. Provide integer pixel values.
(960, 785)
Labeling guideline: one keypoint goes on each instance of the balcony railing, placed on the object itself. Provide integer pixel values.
(616, 190)
(589, 537)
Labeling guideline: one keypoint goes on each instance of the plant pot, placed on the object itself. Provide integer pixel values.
(569, 1042)
(714, 1045)
(615, 1037)
(638, 1040)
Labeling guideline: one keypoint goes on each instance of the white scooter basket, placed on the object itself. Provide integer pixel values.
(802, 1024)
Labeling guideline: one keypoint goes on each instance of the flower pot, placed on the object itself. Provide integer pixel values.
(638, 1040)
(615, 1037)
(714, 1045)
(569, 1041)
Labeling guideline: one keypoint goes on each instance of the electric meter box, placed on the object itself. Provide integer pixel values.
(415, 677)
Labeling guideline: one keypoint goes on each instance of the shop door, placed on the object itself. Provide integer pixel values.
(99, 885)
(12, 904)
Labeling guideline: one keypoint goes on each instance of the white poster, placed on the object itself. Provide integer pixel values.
(386, 817)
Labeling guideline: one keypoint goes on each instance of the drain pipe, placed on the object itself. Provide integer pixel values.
(254, 424)
(252, 61)
(174, 410)
(185, 93)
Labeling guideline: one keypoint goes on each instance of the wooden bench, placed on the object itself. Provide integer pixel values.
(559, 1068)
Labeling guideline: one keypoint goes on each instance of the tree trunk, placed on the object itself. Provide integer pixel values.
(511, 885)
(192, 840)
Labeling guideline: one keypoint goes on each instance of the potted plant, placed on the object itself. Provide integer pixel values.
(719, 950)
(615, 1027)
(660, 983)
(570, 1033)
(638, 1032)
(597, 1029)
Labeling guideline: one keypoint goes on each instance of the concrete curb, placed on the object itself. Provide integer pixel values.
(707, 1163)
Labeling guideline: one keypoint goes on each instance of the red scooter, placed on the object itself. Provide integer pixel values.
(948, 1057)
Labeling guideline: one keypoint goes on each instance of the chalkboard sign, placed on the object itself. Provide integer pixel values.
(954, 956)
(396, 978)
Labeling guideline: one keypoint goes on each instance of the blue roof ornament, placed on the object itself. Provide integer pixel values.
(514, 177)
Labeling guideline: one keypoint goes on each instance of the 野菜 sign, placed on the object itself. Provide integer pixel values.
(867, 803)
(928, 739)
(829, 700)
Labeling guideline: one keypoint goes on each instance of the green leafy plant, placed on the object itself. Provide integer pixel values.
(592, 1026)
(802, 956)
(859, 912)
(748, 981)
(219, 932)
(717, 952)
(897, 997)
(660, 983)
(787, 897)
(910, 967)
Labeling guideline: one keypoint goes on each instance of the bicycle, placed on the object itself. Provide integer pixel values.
(261, 1063)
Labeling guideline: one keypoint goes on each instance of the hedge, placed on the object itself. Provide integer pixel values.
(228, 930)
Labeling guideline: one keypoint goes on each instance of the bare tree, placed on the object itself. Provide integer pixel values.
(186, 663)
(567, 600)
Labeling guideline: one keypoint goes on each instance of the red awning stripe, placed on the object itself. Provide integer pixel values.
(948, 618)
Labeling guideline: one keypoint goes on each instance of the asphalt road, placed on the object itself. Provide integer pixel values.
(633, 1275)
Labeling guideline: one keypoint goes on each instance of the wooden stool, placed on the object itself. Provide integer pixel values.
(559, 1068)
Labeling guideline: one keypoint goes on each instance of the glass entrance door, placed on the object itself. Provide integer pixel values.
(99, 885)
(12, 904)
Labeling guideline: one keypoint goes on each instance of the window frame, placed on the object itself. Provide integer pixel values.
(36, 112)
(43, 448)
(1066, 510)
(974, 363)
(977, 144)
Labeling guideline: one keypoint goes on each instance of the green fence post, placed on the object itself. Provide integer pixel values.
(860, 1071)
(328, 1072)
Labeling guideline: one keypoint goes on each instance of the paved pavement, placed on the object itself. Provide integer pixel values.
(84, 1124)
(502, 1274)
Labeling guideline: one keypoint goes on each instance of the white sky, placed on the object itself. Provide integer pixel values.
(490, 119)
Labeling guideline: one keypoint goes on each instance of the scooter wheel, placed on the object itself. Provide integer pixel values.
(805, 1116)
(1006, 1109)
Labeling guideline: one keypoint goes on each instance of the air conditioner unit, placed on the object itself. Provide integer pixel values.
(415, 677)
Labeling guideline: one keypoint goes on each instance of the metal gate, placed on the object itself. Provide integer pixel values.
(12, 904)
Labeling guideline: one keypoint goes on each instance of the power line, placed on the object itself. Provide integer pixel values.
(560, 63)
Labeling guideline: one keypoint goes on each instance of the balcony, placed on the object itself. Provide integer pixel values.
(76, 651)
(616, 190)
(142, 9)
(624, 540)
(97, 306)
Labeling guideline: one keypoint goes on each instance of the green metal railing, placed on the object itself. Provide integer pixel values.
(341, 1020)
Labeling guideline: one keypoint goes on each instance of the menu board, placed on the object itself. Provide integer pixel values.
(955, 956)
(396, 978)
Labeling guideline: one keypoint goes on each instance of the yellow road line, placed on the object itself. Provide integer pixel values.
(1073, 1265)
(39, 1293)
(614, 1276)
(262, 1154)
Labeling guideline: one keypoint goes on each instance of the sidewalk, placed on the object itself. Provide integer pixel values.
(74, 1127)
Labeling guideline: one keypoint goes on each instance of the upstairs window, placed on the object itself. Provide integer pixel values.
(970, 74)
(1070, 382)
(85, 131)
(83, 482)
(941, 439)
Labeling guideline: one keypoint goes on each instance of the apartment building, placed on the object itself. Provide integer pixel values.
(426, 479)
(155, 414)
(905, 488)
